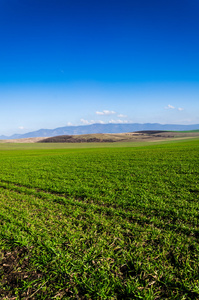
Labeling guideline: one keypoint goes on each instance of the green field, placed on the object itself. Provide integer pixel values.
(114, 221)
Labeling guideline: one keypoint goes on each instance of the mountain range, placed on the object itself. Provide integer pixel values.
(101, 128)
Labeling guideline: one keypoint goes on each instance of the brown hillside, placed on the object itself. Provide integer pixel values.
(139, 136)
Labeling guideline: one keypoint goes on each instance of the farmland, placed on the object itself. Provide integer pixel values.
(99, 222)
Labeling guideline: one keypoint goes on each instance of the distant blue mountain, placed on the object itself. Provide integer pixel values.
(101, 128)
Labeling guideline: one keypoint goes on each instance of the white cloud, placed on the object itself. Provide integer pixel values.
(99, 113)
(21, 127)
(169, 106)
(85, 122)
(118, 121)
(69, 124)
(123, 121)
(122, 116)
(105, 112)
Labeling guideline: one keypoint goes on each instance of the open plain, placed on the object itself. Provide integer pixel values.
(100, 220)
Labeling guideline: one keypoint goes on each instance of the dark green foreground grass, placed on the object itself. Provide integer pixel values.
(108, 223)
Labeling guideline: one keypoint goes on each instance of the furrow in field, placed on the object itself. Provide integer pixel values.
(138, 215)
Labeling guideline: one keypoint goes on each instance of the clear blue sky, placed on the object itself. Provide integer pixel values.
(78, 62)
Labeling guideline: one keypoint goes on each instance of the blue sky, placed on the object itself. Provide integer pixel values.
(72, 62)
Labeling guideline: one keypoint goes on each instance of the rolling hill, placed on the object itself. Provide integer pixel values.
(101, 128)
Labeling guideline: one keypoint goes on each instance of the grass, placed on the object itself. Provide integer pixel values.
(187, 131)
(100, 223)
